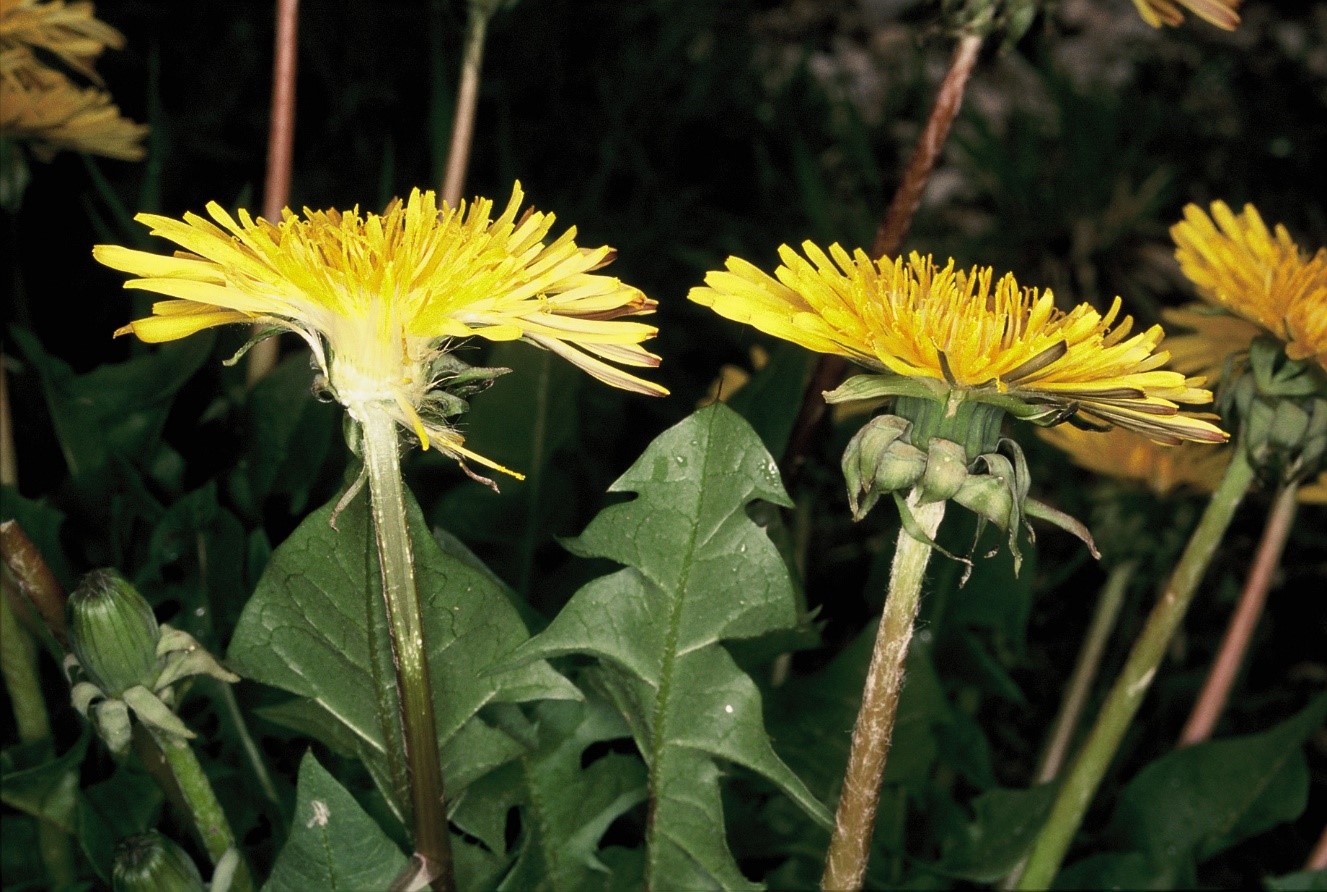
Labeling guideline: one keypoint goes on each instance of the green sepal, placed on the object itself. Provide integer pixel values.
(1281, 408)
(915, 531)
(1042, 511)
(260, 335)
(152, 711)
(860, 388)
(946, 470)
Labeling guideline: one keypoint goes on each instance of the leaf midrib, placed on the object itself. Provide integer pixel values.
(659, 737)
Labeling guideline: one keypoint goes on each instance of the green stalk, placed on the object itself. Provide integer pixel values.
(1085, 672)
(18, 666)
(406, 625)
(854, 823)
(1080, 784)
(201, 802)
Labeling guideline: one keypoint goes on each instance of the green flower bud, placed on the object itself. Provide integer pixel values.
(149, 862)
(113, 633)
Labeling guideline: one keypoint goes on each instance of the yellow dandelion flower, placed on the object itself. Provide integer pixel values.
(1258, 275)
(1125, 455)
(962, 332)
(48, 113)
(68, 31)
(378, 298)
(1168, 12)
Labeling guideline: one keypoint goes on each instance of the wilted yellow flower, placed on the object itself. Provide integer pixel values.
(48, 113)
(961, 332)
(379, 298)
(1125, 455)
(68, 31)
(1259, 275)
(1167, 12)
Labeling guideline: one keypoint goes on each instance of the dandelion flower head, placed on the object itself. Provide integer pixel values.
(1259, 276)
(964, 332)
(380, 297)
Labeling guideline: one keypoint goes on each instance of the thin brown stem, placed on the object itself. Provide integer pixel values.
(8, 457)
(34, 578)
(1318, 857)
(280, 152)
(893, 229)
(1216, 690)
(467, 101)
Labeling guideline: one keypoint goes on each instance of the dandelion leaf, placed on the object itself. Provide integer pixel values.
(333, 843)
(316, 627)
(572, 794)
(697, 571)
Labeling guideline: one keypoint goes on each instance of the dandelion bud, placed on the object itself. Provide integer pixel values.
(150, 862)
(113, 633)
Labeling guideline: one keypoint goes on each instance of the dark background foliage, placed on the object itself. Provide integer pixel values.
(680, 132)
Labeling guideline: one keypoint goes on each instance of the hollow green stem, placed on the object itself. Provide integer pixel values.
(409, 655)
(201, 802)
(1085, 774)
(1085, 672)
(18, 666)
(854, 823)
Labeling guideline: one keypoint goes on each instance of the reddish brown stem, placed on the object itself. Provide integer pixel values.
(8, 457)
(280, 150)
(892, 230)
(1216, 690)
(33, 577)
(1318, 857)
(467, 102)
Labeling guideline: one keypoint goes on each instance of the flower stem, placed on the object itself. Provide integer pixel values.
(18, 667)
(467, 100)
(1216, 690)
(8, 457)
(280, 152)
(893, 229)
(406, 625)
(1318, 857)
(854, 824)
(201, 801)
(33, 576)
(1085, 672)
(1135, 678)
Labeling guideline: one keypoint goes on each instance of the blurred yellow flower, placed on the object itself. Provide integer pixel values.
(961, 332)
(1125, 455)
(1167, 12)
(379, 298)
(68, 31)
(1259, 275)
(48, 113)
